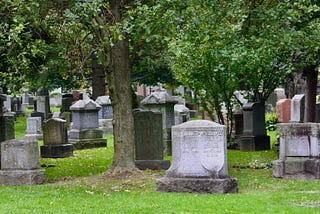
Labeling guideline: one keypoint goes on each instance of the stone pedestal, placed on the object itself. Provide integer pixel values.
(148, 140)
(20, 163)
(254, 136)
(85, 132)
(299, 151)
(199, 160)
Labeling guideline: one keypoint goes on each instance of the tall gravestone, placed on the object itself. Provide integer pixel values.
(34, 128)
(283, 110)
(6, 122)
(105, 114)
(199, 160)
(85, 132)
(20, 163)
(43, 104)
(299, 154)
(162, 102)
(7, 103)
(66, 103)
(254, 137)
(148, 140)
(297, 108)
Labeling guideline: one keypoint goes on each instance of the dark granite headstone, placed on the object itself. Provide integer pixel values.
(148, 140)
(67, 101)
(254, 136)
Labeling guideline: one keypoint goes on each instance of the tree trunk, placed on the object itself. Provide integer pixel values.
(119, 83)
(98, 79)
(310, 93)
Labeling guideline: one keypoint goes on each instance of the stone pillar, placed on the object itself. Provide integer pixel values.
(55, 139)
(20, 163)
(162, 102)
(199, 160)
(85, 132)
(254, 136)
(148, 140)
(299, 155)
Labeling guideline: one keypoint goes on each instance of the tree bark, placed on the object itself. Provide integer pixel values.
(119, 83)
(98, 79)
(310, 93)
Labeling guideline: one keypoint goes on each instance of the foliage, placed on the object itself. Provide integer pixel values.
(271, 121)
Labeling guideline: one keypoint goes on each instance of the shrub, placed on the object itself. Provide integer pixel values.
(271, 121)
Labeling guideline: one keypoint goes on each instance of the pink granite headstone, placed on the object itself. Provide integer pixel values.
(283, 109)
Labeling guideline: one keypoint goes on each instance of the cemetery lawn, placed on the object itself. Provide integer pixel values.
(79, 184)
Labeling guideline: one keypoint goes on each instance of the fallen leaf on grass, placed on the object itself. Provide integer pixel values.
(89, 192)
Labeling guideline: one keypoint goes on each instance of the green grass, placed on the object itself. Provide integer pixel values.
(79, 184)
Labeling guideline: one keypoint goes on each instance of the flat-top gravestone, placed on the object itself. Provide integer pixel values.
(297, 108)
(148, 140)
(299, 151)
(283, 110)
(85, 132)
(254, 136)
(181, 114)
(161, 101)
(34, 128)
(43, 103)
(6, 127)
(20, 163)
(55, 139)
(199, 160)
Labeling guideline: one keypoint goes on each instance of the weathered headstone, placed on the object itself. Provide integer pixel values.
(148, 140)
(299, 155)
(43, 104)
(283, 110)
(34, 128)
(7, 103)
(55, 139)
(181, 114)
(20, 163)
(199, 160)
(162, 102)
(38, 114)
(85, 132)
(297, 108)
(105, 114)
(254, 136)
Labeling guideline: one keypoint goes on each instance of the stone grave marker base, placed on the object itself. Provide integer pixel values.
(56, 151)
(255, 143)
(152, 164)
(34, 137)
(297, 168)
(88, 143)
(199, 185)
(22, 177)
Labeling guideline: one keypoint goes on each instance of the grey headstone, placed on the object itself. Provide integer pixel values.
(199, 160)
(55, 139)
(106, 111)
(297, 108)
(181, 114)
(85, 132)
(148, 140)
(20, 163)
(43, 103)
(6, 127)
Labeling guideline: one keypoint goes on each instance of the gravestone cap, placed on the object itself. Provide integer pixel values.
(103, 100)
(159, 97)
(85, 105)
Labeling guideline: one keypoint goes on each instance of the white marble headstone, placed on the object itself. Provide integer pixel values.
(199, 149)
